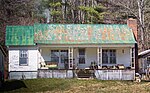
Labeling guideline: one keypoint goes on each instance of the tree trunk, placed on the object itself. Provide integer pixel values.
(141, 20)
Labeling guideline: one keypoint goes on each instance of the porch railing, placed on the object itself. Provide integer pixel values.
(101, 74)
(115, 74)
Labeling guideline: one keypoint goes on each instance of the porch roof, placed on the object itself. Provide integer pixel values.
(69, 34)
(83, 34)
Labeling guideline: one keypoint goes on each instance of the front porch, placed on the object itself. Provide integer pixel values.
(86, 57)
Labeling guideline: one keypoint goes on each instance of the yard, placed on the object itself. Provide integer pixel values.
(75, 86)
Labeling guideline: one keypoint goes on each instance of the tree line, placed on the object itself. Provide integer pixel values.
(28, 12)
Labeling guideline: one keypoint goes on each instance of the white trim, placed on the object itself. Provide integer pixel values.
(70, 59)
(99, 57)
(88, 45)
(132, 57)
(144, 52)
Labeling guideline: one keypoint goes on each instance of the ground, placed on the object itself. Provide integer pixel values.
(74, 86)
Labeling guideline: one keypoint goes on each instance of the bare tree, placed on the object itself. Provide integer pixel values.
(139, 9)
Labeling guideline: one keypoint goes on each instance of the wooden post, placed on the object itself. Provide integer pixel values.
(70, 60)
(132, 57)
(99, 57)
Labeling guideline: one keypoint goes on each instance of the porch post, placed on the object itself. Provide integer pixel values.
(132, 57)
(70, 60)
(99, 57)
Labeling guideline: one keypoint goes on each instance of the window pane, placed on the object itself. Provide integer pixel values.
(63, 55)
(55, 59)
(112, 60)
(82, 60)
(23, 57)
(81, 51)
(55, 55)
(105, 60)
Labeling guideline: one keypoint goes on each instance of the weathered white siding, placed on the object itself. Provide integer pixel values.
(14, 59)
(124, 58)
(115, 74)
(90, 56)
(23, 75)
(55, 73)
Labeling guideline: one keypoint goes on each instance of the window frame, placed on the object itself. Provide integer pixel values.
(111, 56)
(23, 54)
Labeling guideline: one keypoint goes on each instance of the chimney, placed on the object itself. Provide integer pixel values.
(132, 23)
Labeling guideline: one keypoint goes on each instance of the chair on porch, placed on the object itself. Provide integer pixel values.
(120, 66)
(93, 65)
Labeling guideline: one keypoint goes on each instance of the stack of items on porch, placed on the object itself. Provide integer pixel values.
(118, 66)
(49, 65)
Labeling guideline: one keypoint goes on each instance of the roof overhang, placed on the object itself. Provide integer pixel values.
(144, 53)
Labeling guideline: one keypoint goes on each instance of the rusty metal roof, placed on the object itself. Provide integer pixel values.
(69, 34)
(83, 34)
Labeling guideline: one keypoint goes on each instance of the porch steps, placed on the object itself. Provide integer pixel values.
(85, 78)
(85, 73)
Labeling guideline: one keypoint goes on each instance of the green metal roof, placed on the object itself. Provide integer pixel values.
(19, 35)
(83, 34)
(69, 34)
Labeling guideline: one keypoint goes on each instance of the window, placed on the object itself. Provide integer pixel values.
(109, 56)
(81, 56)
(23, 57)
(148, 60)
(64, 55)
(55, 55)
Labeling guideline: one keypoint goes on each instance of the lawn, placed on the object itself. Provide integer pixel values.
(74, 86)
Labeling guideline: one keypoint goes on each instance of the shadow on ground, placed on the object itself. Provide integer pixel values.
(12, 85)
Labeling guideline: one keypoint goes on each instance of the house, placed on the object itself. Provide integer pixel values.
(63, 50)
(144, 61)
(2, 60)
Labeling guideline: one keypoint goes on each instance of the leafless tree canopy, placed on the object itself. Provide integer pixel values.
(27, 12)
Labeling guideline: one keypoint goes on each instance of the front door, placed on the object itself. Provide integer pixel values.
(81, 57)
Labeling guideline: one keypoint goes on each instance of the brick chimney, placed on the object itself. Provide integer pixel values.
(132, 23)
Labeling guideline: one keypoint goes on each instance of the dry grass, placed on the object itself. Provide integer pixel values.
(75, 86)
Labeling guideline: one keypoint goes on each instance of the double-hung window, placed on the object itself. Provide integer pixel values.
(109, 56)
(23, 57)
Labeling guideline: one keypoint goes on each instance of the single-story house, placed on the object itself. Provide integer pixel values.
(62, 50)
(2, 60)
